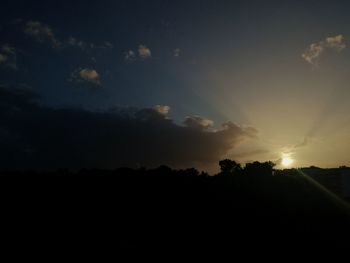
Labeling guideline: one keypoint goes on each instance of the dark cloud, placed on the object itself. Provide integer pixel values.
(8, 57)
(42, 137)
(249, 154)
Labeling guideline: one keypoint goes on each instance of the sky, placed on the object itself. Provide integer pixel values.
(180, 83)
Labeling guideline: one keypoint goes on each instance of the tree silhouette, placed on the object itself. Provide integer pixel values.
(230, 167)
(259, 169)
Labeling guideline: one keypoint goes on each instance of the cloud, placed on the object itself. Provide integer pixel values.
(44, 33)
(304, 143)
(336, 43)
(47, 138)
(8, 57)
(313, 53)
(86, 76)
(41, 33)
(144, 52)
(130, 55)
(107, 44)
(250, 154)
(162, 109)
(198, 122)
(292, 149)
(3, 58)
(74, 42)
(177, 52)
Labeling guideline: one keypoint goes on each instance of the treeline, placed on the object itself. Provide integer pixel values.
(246, 204)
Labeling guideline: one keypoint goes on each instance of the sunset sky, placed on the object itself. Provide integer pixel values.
(182, 83)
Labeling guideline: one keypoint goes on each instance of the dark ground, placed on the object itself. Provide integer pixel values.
(166, 209)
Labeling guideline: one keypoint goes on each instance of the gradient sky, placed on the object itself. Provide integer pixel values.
(279, 68)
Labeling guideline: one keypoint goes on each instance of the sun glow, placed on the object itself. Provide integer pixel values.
(287, 161)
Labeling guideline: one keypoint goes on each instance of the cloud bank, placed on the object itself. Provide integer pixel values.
(39, 137)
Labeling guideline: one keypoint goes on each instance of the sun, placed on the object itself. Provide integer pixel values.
(287, 161)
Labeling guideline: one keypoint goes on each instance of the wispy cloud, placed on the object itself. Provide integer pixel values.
(44, 33)
(292, 149)
(78, 43)
(107, 44)
(198, 122)
(336, 43)
(72, 41)
(130, 55)
(304, 143)
(177, 52)
(41, 33)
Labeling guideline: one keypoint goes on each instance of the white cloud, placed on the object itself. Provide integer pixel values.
(315, 50)
(198, 122)
(144, 52)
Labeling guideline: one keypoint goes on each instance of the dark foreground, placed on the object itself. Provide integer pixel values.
(169, 209)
